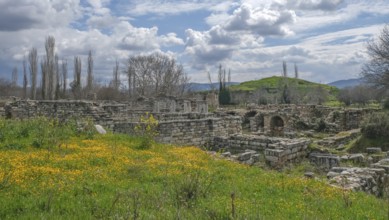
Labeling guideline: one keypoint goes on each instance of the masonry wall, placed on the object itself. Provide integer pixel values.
(277, 151)
(189, 132)
(57, 109)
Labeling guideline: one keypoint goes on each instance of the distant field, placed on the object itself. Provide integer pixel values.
(108, 177)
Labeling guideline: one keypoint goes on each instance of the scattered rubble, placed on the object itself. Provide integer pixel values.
(370, 180)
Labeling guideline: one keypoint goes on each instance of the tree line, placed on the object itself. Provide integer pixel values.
(147, 75)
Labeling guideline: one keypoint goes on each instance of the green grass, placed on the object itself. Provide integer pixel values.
(272, 86)
(362, 143)
(109, 177)
(274, 82)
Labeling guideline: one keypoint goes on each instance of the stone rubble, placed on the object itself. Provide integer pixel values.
(370, 180)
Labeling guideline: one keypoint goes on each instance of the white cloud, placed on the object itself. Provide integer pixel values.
(200, 47)
(261, 21)
(25, 14)
(169, 7)
(325, 5)
(251, 37)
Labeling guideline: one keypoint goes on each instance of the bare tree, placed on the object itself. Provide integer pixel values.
(33, 66)
(58, 80)
(51, 81)
(296, 71)
(14, 77)
(229, 76)
(25, 80)
(360, 95)
(131, 75)
(44, 79)
(116, 77)
(155, 74)
(212, 86)
(284, 69)
(76, 84)
(220, 77)
(64, 71)
(376, 71)
(317, 95)
(89, 81)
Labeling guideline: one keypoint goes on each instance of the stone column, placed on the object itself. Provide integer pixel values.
(187, 107)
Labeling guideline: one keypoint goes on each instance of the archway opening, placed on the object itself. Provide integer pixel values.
(246, 120)
(260, 122)
(277, 125)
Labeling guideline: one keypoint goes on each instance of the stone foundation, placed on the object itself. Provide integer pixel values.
(324, 161)
(340, 139)
(197, 132)
(370, 180)
(278, 151)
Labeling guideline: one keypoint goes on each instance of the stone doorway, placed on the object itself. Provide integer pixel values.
(277, 125)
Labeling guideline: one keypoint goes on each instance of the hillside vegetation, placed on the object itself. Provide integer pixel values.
(81, 175)
(275, 81)
(277, 89)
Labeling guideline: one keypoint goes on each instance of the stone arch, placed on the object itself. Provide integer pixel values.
(277, 124)
(260, 122)
(246, 120)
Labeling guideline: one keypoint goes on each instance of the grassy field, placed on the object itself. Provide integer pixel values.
(81, 175)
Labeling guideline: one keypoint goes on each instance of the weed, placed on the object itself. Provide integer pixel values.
(190, 188)
(346, 193)
(5, 176)
(233, 214)
(146, 129)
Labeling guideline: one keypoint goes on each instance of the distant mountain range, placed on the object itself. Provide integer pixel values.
(347, 83)
(196, 87)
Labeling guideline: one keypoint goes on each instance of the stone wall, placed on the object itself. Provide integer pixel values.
(197, 132)
(121, 117)
(339, 139)
(370, 180)
(324, 161)
(277, 151)
(58, 109)
(238, 143)
(258, 118)
(288, 150)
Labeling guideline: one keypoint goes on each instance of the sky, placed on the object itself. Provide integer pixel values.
(326, 39)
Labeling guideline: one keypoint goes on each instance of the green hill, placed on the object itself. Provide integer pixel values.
(275, 81)
(275, 85)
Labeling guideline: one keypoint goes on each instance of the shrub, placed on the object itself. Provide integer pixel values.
(224, 97)
(376, 125)
(320, 126)
(385, 103)
(189, 188)
(146, 129)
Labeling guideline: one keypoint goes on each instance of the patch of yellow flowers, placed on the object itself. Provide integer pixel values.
(62, 167)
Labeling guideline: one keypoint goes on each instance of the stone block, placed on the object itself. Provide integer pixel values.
(357, 158)
(373, 150)
(245, 156)
(226, 154)
(256, 157)
(272, 159)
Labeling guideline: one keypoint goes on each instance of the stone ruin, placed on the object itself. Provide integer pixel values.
(273, 134)
(268, 130)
